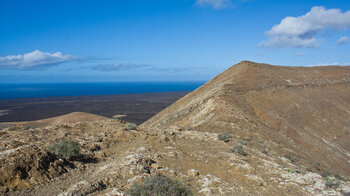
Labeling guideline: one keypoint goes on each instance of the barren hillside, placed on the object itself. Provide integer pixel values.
(306, 110)
(255, 129)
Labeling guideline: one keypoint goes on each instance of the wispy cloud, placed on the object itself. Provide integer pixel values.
(328, 64)
(119, 66)
(144, 67)
(216, 4)
(343, 40)
(298, 54)
(169, 69)
(35, 60)
(301, 31)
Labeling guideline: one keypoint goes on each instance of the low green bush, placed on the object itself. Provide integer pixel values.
(337, 176)
(326, 173)
(160, 186)
(67, 149)
(332, 183)
(265, 151)
(225, 137)
(240, 150)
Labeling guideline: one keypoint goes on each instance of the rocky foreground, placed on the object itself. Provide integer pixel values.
(255, 129)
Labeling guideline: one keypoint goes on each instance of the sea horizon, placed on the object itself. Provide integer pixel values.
(36, 90)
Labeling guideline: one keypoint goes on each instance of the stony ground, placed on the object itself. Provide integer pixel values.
(116, 157)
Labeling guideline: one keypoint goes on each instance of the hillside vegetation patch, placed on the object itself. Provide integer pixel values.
(160, 186)
(67, 149)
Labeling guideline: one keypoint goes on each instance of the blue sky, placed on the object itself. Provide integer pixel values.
(134, 40)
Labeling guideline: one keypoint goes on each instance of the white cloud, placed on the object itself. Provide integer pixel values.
(216, 4)
(34, 60)
(298, 54)
(325, 64)
(301, 31)
(343, 40)
(329, 64)
(118, 67)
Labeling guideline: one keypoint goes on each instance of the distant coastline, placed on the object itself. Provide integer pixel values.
(25, 90)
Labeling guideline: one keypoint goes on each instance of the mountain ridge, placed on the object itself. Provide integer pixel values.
(263, 95)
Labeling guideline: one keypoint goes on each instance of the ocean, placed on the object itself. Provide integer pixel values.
(11, 91)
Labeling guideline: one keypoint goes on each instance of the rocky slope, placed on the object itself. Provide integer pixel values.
(255, 129)
(306, 110)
